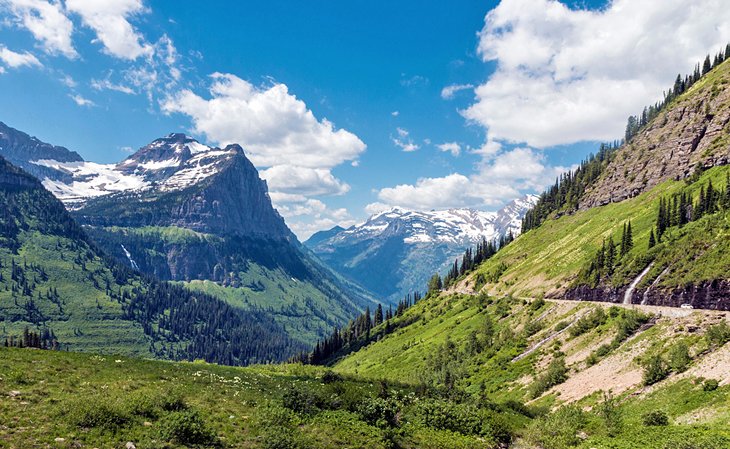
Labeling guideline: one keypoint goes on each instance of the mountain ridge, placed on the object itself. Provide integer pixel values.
(394, 252)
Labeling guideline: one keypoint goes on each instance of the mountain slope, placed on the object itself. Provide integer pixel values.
(56, 282)
(395, 252)
(182, 211)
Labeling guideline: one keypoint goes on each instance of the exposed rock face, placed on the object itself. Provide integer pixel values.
(707, 295)
(695, 129)
(19, 148)
(232, 201)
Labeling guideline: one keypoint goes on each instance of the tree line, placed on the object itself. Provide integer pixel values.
(565, 194)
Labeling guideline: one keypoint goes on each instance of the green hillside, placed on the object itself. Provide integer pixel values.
(302, 306)
(56, 283)
(547, 261)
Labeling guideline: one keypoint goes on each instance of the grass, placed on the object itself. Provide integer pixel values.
(546, 260)
(86, 318)
(98, 401)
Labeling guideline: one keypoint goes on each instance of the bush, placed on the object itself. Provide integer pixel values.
(281, 438)
(710, 385)
(557, 430)
(679, 358)
(588, 322)
(331, 377)
(561, 325)
(655, 418)
(699, 442)
(611, 414)
(103, 413)
(187, 428)
(379, 412)
(718, 334)
(465, 419)
(555, 374)
(301, 400)
(151, 404)
(655, 369)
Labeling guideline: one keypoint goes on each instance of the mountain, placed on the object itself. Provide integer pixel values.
(20, 149)
(56, 283)
(393, 253)
(183, 211)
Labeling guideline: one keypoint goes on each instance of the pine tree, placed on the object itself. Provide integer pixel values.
(629, 238)
(652, 241)
(707, 66)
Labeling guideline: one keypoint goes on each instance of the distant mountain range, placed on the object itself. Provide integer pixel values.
(183, 211)
(395, 252)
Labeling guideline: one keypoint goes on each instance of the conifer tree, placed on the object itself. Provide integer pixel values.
(652, 240)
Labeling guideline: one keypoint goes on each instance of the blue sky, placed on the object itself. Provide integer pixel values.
(348, 108)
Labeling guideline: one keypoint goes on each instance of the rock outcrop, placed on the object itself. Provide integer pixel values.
(692, 131)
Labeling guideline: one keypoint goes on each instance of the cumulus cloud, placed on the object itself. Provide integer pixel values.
(565, 75)
(110, 21)
(15, 60)
(450, 147)
(274, 126)
(48, 23)
(303, 180)
(448, 92)
(312, 215)
(403, 141)
(81, 101)
(506, 176)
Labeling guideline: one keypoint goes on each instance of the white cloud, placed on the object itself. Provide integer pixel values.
(68, 81)
(568, 75)
(2, 69)
(403, 141)
(110, 21)
(308, 216)
(450, 147)
(376, 208)
(15, 60)
(303, 180)
(81, 101)
(448, 92)
(48, 23)
(275, 127)
(507, 176)
(395, 113)
(107, 84)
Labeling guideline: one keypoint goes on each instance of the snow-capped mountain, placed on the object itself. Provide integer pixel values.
(174, 162)
(394, 252)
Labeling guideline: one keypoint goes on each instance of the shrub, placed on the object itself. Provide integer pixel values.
(698, 442)
(710, 385)
(611, 414)
(718, 334)
(588, 322)
(561, 325)
(655, 418)
(103, 413)
(555, 374)
(188, 428)
(301, 400)
(379, 412)
(655, 369)
(557, 430)
(679, 358)
(331, 377)
(273, 416)
(537, 304)
(281, 438)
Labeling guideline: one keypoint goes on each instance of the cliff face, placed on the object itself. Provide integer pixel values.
(713, 295)
(692, 130)
(225, 197)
